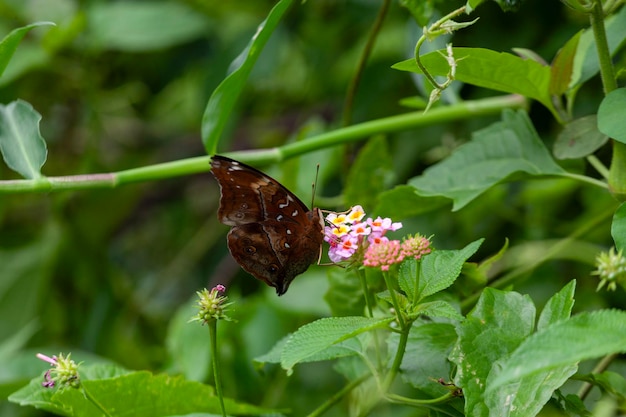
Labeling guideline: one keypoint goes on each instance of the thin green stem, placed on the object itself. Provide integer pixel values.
(607, 72)
(412, 120)
(394, 300)
(598, 165)
(398, 399)
(335, 398)
(370, 311)
(397, 360)
(367, 51)
(95, 402)
(215, 363)
(599, 368)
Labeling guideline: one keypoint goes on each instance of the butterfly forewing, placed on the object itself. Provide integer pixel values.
(275, 237)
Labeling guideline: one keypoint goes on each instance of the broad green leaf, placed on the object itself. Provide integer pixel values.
(586, 61)
(618, 228)
(425, 359)
(224, 97)
(21, 144)
(579, 138)
(143, 26)
(369, 174)
(315, 337)
(403, 202)
(585, 336)
(496, 326)
(9, 44)
(476, 275)
(490, 69)
(118, 391)
(439, 270)
(559, 307)
(494, 153)
(562, 66)
(438, 308)
(611, 120)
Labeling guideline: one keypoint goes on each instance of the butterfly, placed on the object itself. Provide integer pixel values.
(274, 237)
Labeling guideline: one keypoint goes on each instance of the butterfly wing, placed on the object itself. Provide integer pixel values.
(275, 236)
(249, 196)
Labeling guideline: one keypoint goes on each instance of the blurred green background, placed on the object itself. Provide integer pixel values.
(107, 274)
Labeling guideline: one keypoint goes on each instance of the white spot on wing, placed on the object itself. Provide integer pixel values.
(288, 231)
(295, 213)
(279, 217)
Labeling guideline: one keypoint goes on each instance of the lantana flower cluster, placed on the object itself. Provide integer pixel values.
(350, 236)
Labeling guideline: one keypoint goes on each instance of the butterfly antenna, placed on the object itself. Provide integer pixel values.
(314, 185)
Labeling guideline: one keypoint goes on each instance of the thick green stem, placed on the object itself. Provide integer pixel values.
(354, 133)
(607, 72)
(215, 363)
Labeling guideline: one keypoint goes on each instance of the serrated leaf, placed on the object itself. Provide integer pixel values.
(143, 26)
(496, 326)
(495, 153)
(618, 228)
(579, 138)
(9, 43)
(439, 269)
(490, 69)
(611, 119)
(438, 308)
(407, 278)
(559, 307)
(315, 337)
(224, 97)
(118, 391)
(21, 144)
(585, 336)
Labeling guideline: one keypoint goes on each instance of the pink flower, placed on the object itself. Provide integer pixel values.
(383, 255)
(344, 249)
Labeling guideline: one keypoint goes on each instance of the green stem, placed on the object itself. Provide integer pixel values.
(599, 368)
(607, 73)
(215, 363)
(370, 311)
(95, 402)
(397, 399)
(369, 45)
(397, 360)
(335, 398)
(394, 300)
(412, 120)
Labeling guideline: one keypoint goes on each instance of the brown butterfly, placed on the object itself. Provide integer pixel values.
(274, 236)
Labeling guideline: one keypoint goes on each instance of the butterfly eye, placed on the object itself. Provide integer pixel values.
(250, 250)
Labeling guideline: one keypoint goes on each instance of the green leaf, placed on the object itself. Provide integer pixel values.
(9, 44)
(403, 202)
(611, 119)
(579, 138)
(315, 337)
(559, 307)
(222, 101)
(490, 69)
(618, 228)
(438, 308)
(585, 336)
(118, 391)
(143, 26)
(408, 274)
(495, 153)
(499, 322)
(562, 66)
(369, 174)
(439, 269)
(21, 144)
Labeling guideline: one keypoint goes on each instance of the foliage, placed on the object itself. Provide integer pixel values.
(503, 128)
